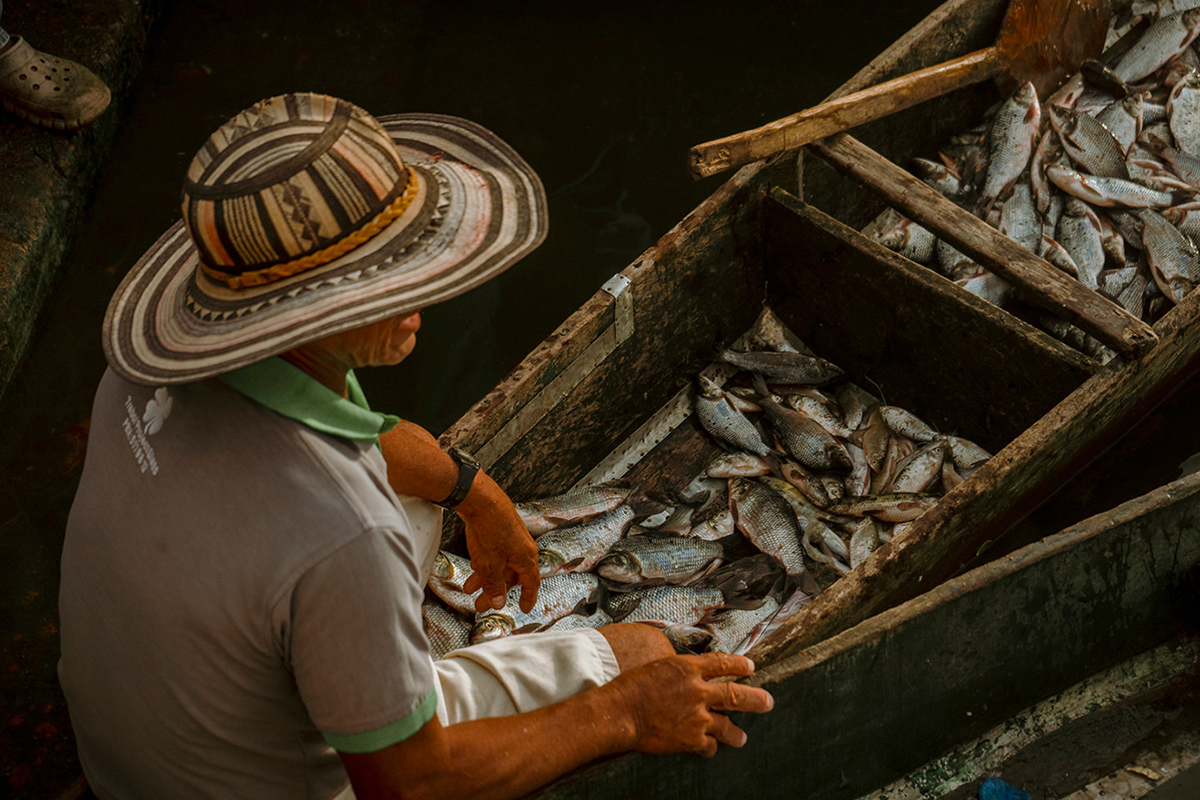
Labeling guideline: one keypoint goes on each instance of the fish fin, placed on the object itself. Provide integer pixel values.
(743, 603)
(630, 610)
(532, 627)
(567, 566)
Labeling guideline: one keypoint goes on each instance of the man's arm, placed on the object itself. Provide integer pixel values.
(666, 706)
(502, 551)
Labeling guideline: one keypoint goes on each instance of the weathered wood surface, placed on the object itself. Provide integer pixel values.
(909, 335)
(693, 286)
(1043, 285)
(869, 705)
(1005, 488)
(955, 28)
(1046, 41)
(842, 113)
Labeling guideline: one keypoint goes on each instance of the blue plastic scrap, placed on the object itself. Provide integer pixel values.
(996, 789)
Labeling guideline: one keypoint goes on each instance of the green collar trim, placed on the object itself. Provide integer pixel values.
(293, 393)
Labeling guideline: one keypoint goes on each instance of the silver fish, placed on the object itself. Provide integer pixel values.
(863, 541)
(737, 465)
(988, 286)
(660, 559)
(1049, 150)
(1010, 142)
(578, 548)
(921, 469)
(858, 482)
(1183, 113)
(938, 176)
(893, 507)
(445, 630)
(951, 261)
(576, 505)
(1106, 192)
(898, 449)
(1186, 217)
(1080, 234)
(874, 440)
(1174, 261)
(1089, 143)
(1018, 218)
(731, 628)
(1056, 255)
(715, 527)
(558, 596)
(665, 605)
(805, 439)
(1123, 119)
(805, 482)
(855, 403)
(1112, 241)
(449, 573)
(1185, 165)
(1157, 9)
(1129, 226)
(810, 518)
(769, 522)
(910, 240)
(966, 454)
(820, 412)
(1161, 42)
(906, 423)
(724, 422)
(795, 368)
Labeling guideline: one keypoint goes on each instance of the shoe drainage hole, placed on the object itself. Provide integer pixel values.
(33, 68)
(36, 86)
(24, 77)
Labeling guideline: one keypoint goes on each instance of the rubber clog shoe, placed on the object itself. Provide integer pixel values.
(47, 90)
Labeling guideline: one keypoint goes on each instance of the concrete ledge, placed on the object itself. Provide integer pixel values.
(46, 178)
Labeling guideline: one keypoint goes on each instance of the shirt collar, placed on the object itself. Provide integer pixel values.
(289, 391)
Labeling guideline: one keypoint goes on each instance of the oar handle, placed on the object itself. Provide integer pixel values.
(843, 113)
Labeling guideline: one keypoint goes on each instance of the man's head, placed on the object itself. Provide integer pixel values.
(306, 217)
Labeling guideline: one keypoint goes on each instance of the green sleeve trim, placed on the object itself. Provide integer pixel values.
(292, 393)
(388, 735)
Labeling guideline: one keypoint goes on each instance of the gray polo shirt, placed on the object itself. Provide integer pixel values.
(241, 590)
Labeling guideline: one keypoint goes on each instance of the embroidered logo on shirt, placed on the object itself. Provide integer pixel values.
(158, 408)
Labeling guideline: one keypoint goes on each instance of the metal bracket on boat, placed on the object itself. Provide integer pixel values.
(541, 404)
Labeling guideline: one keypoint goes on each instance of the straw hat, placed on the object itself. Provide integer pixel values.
(304, 216)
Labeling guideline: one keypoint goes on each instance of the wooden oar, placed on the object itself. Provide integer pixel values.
(1043, 41)
(1043, 284)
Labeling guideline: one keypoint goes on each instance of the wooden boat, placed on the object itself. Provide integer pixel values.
(610, 392)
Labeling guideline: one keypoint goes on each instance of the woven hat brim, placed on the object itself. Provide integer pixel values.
(480, 209)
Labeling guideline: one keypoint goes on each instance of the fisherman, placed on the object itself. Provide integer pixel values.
(247, 553)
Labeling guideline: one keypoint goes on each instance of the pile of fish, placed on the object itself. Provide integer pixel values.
(1102, 180)
(815, 474)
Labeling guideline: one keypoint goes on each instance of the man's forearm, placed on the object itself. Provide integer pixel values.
(500, 757)
(418, 466)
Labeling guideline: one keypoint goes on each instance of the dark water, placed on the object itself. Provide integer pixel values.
(602, 99)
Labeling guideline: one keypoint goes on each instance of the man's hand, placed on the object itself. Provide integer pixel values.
(502, 552)
(674, 706)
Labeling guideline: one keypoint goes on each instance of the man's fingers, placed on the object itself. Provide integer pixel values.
(739, 697)
(473, 584)
(530, 582)
(717, 665)
(725, 732)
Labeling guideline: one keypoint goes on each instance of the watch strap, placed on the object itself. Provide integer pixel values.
(468, 467)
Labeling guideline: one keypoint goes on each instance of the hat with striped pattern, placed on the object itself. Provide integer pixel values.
(304, 216)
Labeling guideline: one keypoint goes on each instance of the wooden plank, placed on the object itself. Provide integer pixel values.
(694, 285)
(908, 334)
(842, 113)
(875, 702)
(1046, 286)
(1005, 488)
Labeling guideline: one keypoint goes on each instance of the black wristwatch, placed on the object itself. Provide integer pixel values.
(467, 467)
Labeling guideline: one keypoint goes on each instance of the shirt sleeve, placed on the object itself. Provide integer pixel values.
(357, 644)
